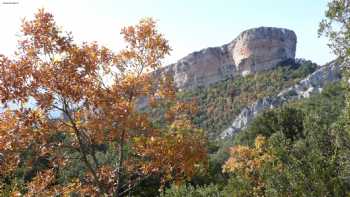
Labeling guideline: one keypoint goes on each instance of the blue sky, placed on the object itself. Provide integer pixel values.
(189, 25)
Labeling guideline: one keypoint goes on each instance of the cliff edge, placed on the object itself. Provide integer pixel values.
(253, 50)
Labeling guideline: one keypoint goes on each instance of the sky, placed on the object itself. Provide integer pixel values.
(188, 25)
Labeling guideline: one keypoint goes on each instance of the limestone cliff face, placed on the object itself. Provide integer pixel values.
(203, 67)
(252, 51)
(263, 48)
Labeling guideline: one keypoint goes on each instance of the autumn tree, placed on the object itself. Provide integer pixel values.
(98, 94)
(247, 164)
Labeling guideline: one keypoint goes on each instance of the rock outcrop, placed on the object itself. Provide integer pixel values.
(310, 85)
(202, 68)
(263, 48)
(252, 51)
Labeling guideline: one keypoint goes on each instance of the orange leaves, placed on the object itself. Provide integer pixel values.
(73, 186)
(13, 80)
(44, 100)
(39, 185)
(72, 73)
(17, 133)
(132, 86)
(145, 46)
(107, 176)
(61, 75)
(176, 154)
(247, 162)
(42, 33)
(53, 62)
(167, 89)
(248, 159)
(241, 156)
(13, 133)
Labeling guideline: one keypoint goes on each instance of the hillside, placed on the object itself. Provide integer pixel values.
(234, 82)
(313, 123)
(221, 102)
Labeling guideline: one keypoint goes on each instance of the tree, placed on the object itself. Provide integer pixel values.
(336, 26)
(285, 119)
(247, 164)
(98, 92)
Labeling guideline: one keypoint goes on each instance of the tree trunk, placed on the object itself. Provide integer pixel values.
(119, 170)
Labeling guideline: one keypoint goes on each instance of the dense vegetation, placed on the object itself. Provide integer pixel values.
(218, 104)
(298, 149)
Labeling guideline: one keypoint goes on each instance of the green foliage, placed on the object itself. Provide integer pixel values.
(218, 104)
(285, 119)
(308, 141)
(336, 26)
(289, 119)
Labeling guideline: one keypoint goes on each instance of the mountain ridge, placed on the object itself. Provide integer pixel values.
(253, 50)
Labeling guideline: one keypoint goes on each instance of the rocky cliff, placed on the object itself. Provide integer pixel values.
(263, 48)
(252, 51)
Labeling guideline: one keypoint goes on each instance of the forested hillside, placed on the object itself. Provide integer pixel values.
(291, 150)
(221, 102)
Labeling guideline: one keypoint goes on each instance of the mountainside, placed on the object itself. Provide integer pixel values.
(256, 71)
(312, 84)
(220, 103)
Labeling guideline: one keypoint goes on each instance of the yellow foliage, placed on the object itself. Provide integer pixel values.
(248, 161)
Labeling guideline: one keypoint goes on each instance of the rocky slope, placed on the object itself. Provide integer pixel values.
(306, 87)
(252, 51)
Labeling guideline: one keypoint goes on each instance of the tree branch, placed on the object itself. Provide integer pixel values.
(82, 150)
